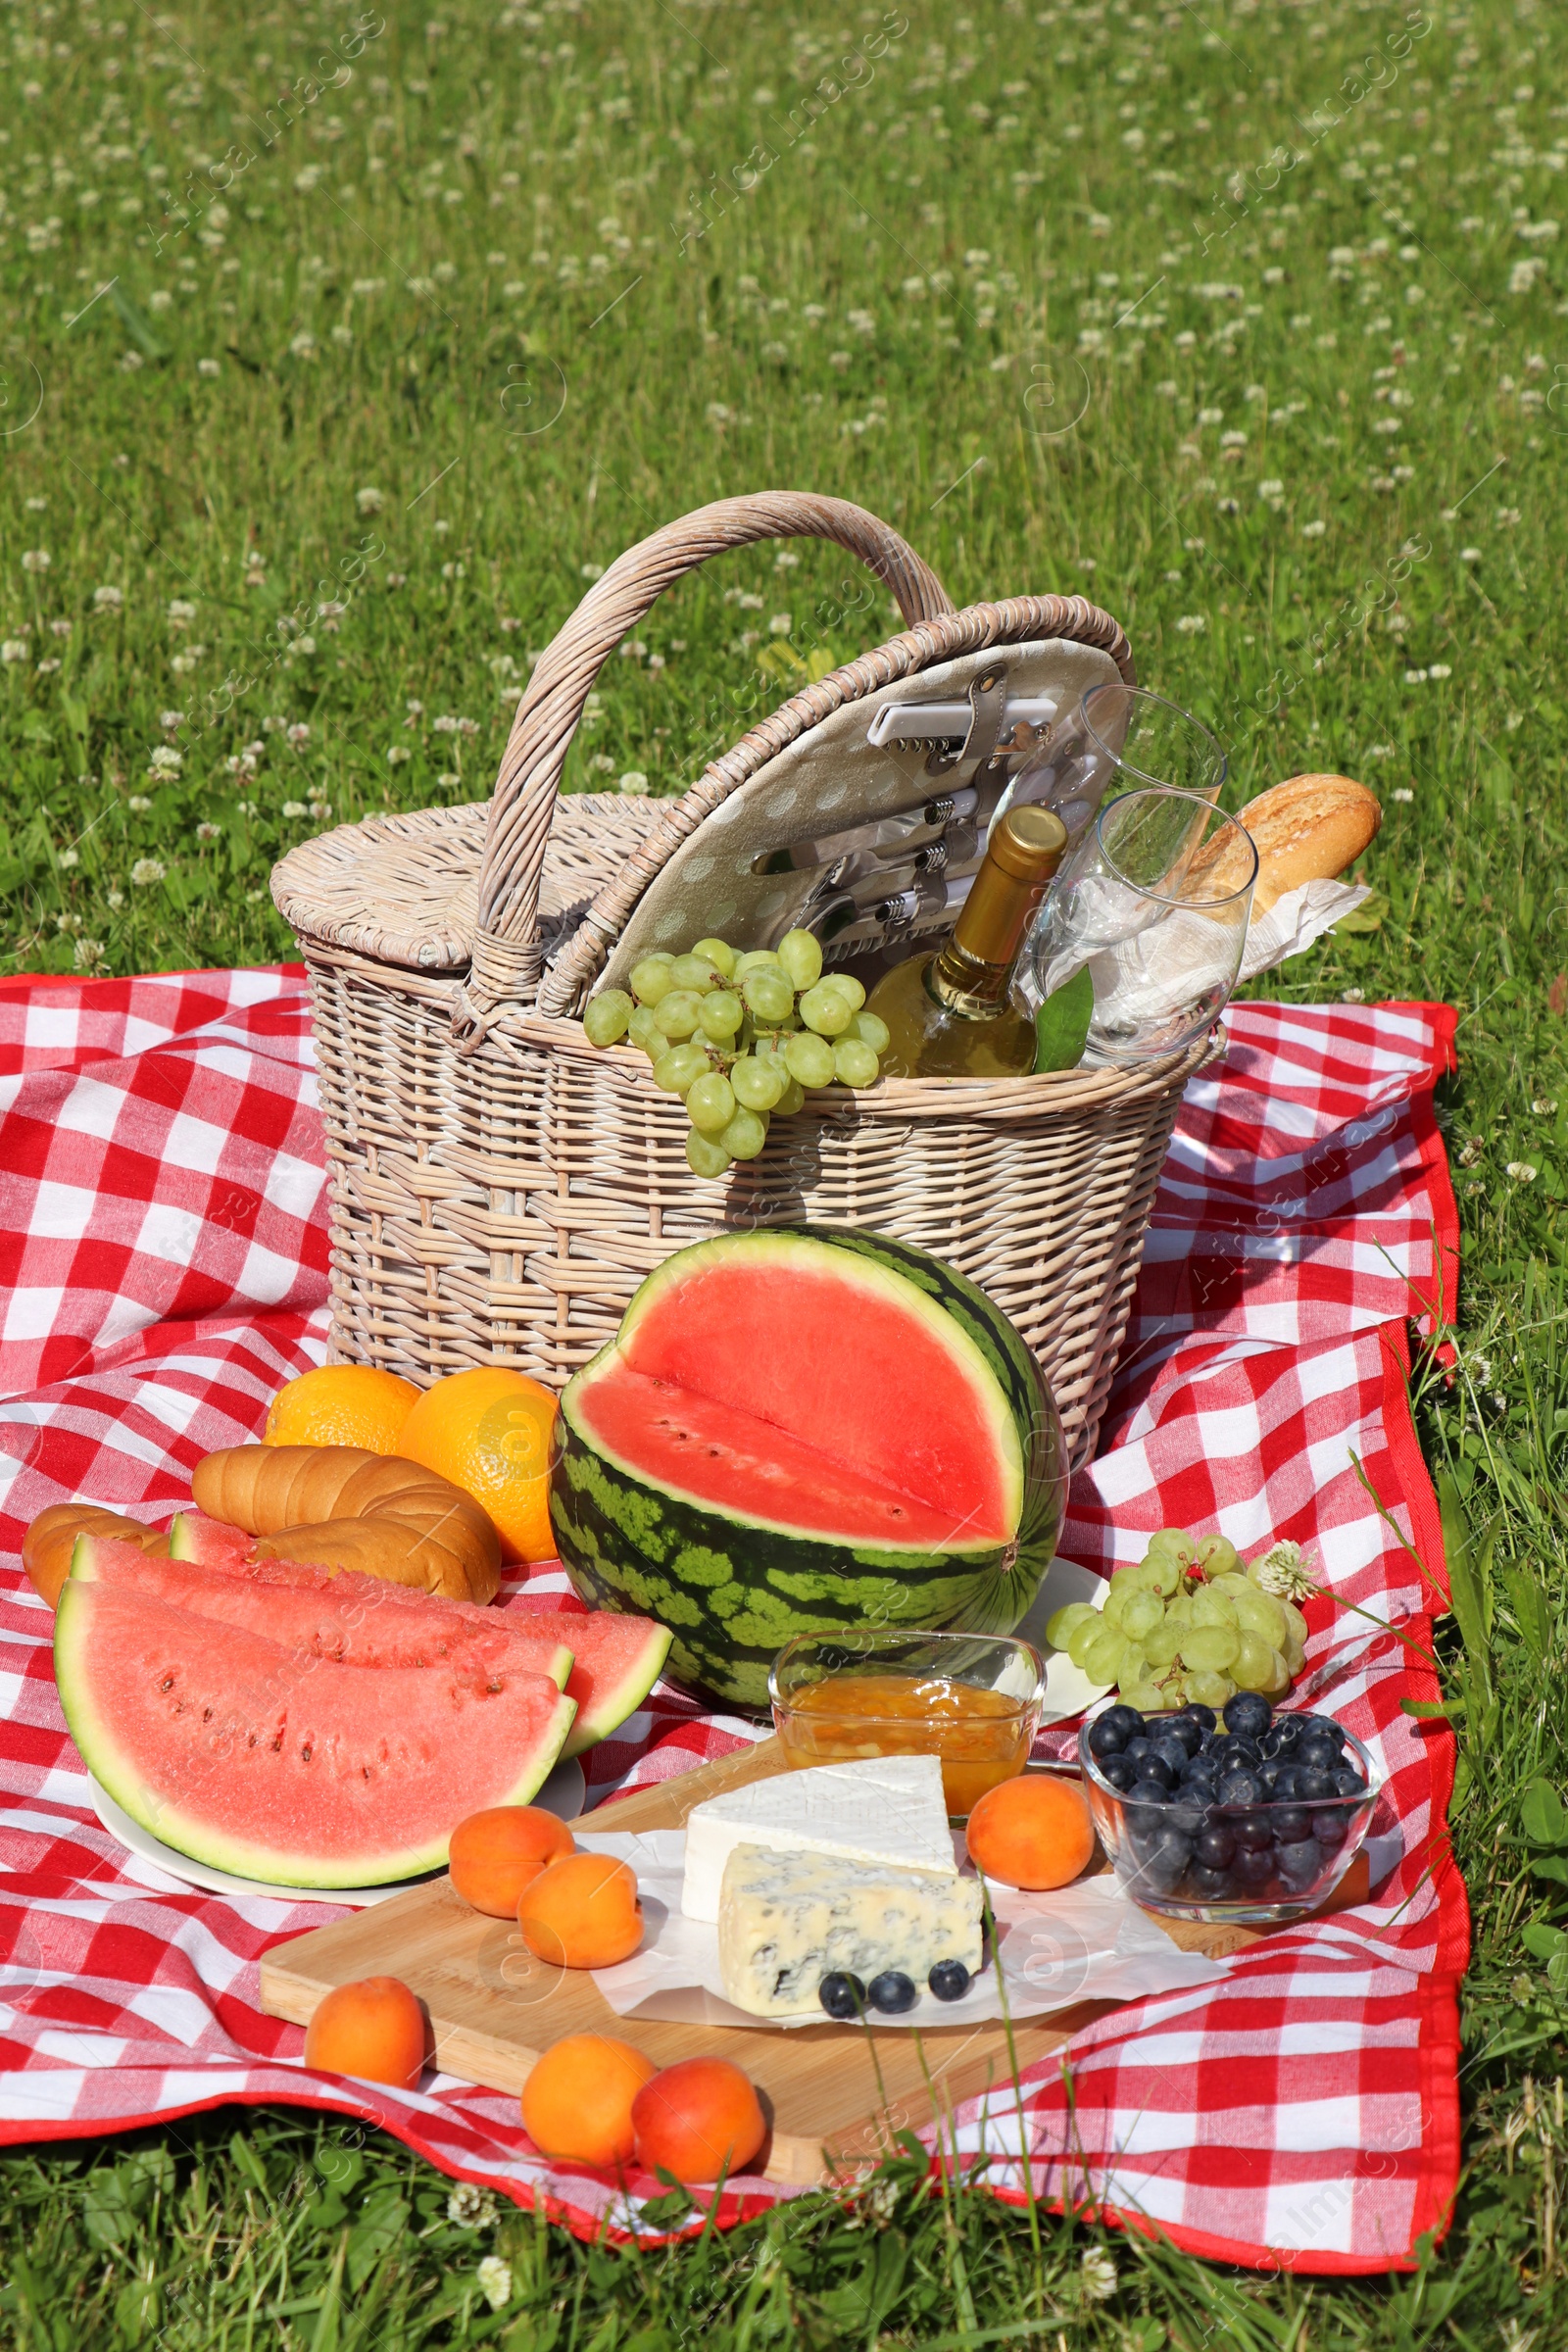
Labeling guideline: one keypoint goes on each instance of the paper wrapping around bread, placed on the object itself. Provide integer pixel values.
(337, 1507)
(1309, 829)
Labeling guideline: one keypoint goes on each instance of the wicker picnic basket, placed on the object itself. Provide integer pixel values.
(500, 1187)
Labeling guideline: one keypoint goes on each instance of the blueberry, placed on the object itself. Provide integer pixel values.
(1165, 1862)
(1125, 1720)
(1324, 1727)
(1287, 1783)
(1137, 1749)
(1300, 1862)
(840, 1995)
(1206, 1885)
(1119, 1772)
(1313, 1787)
(893, 1992)
(1239, 1750)
(1174, 1760)
(950, 1981)
(1268, 1771)
(1248, 1713)
(1253, 1829)
(1195, 1712)
(1286, 1730)
(1215, 1845)
(1106, 1739)
(1241, 1788)
(1291, 1823)
(1145, 1791)
(1313, 1755)
(1189, 1810)
(1253, 1866)
(1185, 1731)
(1331, 1828)
(1348, 1782)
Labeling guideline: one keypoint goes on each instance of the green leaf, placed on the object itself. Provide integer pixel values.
(1544, 1941)
(1368, 916)
(36, 728)
(375, 2235)
(1541, 1816)
(1426, 1709)
(1550, 1866)
(136, 325)
(1526, 1599)
(1061, 1025)
(1469, 1579)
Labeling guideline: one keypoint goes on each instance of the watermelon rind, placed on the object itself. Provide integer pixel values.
(734, 1589)
(158, 1810)
(622, 1698)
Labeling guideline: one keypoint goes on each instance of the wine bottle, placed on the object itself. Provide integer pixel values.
(949, 1014)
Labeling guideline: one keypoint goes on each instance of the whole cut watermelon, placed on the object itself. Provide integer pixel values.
(804, 1429)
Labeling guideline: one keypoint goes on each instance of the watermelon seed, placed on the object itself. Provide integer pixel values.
(305, 1753)
(167, 1682)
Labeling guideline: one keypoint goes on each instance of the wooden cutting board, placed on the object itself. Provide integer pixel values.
(834, 2098)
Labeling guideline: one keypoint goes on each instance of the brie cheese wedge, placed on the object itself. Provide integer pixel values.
(888, 1810)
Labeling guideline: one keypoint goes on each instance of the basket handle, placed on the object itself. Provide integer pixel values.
(506, 951)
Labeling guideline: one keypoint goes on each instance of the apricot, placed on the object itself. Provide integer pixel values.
(577, 2101)
(375, 2029)
(583, 1911)
(495, 1854)
(698, 2118)
(1033, 1831)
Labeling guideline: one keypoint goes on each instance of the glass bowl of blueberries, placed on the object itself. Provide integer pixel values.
(1248, 1815)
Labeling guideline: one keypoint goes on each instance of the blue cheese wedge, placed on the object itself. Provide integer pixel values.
(888, 1809)
(787, 1919)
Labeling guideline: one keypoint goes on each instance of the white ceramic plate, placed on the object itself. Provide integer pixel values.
(561, 1794)
(1068, 1689)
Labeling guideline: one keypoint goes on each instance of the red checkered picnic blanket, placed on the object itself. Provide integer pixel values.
(163, 1241)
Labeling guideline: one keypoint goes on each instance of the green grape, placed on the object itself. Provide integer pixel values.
(1294, 1657)
(1212, 1608)
(1141, 1615)
(1294, 1622)
(1148, 1697)
(871, 1030)
(721, 1015)
(1078, 1638)
(1179, 1609)
(1171, 1542)
(823, 1009)
(745, 1135)
(790, 1101)
(643, 1030)
(849, 989)
(1161, 1644)
(1136, 1666)
(679, 1012)
(1117, 1594)
(1211, 1649)
(810, 1059)
(755, 960)
(758, 1083)
(719, 955)
(769, 994)
(1280, 1679)
(1261, 1614)
(801, 954)
(651, 979)
(704, 1156)
(1103, 1654)
(678, 1070)
(1217, 1556)
(1258, 1666)
(1161, 1573)
(710, 1104)
(1060, 1628)
(1209, 1690)
(695, 972)
(854, 1064)
(607, 1019)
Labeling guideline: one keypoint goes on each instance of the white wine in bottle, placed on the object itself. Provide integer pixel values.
(949, 1014)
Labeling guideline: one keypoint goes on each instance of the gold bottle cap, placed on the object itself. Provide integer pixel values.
(1028, 842)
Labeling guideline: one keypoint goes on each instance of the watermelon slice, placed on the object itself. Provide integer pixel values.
(264, 1761)
(605, 1664)
(195, 1536)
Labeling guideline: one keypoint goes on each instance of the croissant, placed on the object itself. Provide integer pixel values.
(50, 1540)
(336, 1508)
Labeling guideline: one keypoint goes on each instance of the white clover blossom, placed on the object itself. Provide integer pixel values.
(633, 783)
(36, 559)
(108, 600)
(495, 2282)
(1096, 2276)
(1284, 1571)
(1520, 1171)
(146, 871)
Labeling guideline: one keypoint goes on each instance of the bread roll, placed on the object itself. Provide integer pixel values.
(1307, 830)
(337, 1506)
(50, 1540)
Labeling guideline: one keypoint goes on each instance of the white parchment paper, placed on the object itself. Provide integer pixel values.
(1085, 1943)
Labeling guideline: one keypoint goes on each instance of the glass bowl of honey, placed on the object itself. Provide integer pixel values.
(973, 1700)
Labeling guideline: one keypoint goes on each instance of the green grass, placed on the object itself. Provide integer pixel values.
(453, 340)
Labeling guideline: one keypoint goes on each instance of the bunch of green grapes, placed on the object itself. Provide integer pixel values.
(1188, 1623)
(741, 1037)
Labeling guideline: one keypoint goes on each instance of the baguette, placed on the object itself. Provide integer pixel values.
(337, 1507)
(50, 1540)
(1309, 829)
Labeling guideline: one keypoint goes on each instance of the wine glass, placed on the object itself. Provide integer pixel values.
(1116, 738)
(1154, 903)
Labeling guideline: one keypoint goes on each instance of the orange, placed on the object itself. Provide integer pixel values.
(492, 1432)
(342, 1404)
(375, 2029)
(581, 1911)
(1034, 1831)
(576, 2103)
(698, 2118)
(495, 1854)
